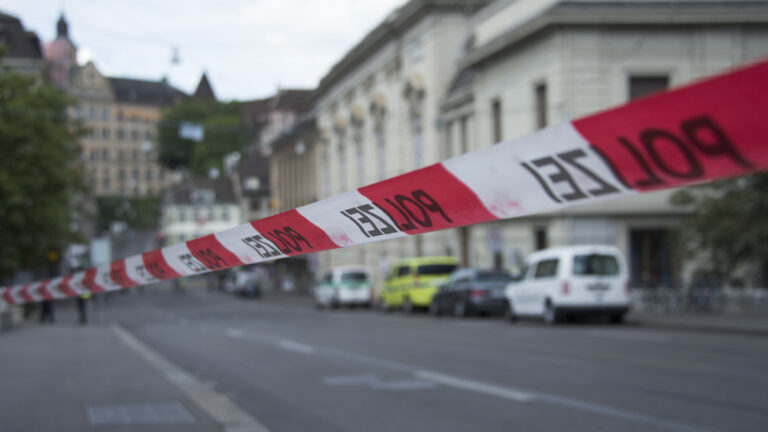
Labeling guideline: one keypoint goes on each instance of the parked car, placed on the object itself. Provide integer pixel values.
(344, 286)
(471, 291)
(245, 283)
(560, 283)
(413, 282)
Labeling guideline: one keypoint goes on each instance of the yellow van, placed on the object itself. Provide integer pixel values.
(412, 282)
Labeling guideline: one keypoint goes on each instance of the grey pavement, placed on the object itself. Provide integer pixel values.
(67, 377)
(298, 369)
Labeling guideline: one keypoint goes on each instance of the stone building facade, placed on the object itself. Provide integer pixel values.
(536, 63)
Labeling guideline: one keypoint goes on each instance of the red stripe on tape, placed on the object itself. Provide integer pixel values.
(118, 274)
(427, 199)
(24, 292)
(64, 287)
(157, 266)
(212, 253)
(293, 234)
(43, 290)
(89, 281)
(7, 296)
(711, 129)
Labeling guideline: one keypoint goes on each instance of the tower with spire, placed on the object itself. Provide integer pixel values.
(204, 90)
(61, 55)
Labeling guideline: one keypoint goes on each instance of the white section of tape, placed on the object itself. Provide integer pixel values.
(327, 215)
(76, 283)
(33, 292)
(137, 271)
(249, 245)
(104, 278)
(53, 288)
(180, 259)
(559, 155)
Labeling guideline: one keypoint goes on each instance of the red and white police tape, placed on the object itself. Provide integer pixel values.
(707, 130)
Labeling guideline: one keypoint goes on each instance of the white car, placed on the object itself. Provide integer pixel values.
(564, 282)
(344, 286)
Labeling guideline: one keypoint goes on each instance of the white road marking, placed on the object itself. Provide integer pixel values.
(476, 386)
(296, 347)
(219, 407)
(509, 393)
(234, 333)
(376, 383)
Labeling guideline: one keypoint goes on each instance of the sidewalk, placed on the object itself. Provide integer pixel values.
(67, 377)
(752, 325)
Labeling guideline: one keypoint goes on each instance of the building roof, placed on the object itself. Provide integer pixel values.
(128, 90)
(255, 112)
(623, 13)
(296, 100)
(204, 90)
(19, 42)
(185, 193)
(397, 22)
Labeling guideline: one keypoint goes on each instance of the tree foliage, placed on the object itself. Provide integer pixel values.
(39, 172)
(224, 134)
(730, 226)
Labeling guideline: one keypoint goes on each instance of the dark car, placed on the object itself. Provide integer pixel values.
(472, 291)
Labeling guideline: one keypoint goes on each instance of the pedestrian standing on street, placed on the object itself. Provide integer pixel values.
(82, 303)
(46, 311)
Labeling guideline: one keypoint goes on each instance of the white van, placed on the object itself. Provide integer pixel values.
(560, 283)
(344, 286)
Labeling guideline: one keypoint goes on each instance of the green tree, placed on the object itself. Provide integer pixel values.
(729, 228)
(223, 133)
(39, 172)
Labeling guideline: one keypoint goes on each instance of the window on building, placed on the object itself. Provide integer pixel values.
(540, 238)
(105, 154)
(326, 173)
(92, 112)
(135, 154)
(540, 96)
(418, 141)
(105, 183)
(148, 135)
(94, 154)
(496, 120)
(651, 258)
(225, 214)
(135, 135)
(120, 134)
(120, 155)
(640, 86)
(448, 151)
(105, 113)
(105, 134)
(161, 174)
(121, 174)
(359, 159)
(381, 153)
(416, 50)
(342, 167)
(463, 144)
(148, 174)
(182, 215)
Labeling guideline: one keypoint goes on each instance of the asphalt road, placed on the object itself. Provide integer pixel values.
(298, 369)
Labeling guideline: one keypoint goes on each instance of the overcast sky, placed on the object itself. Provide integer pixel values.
(247, 47)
